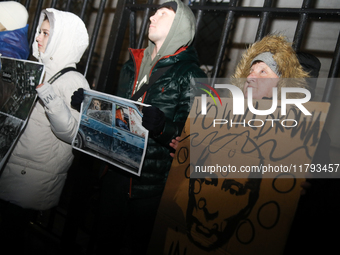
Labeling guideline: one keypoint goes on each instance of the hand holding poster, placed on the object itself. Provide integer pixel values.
(110, 128)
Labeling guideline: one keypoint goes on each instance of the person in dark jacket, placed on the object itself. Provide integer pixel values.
(128, 204)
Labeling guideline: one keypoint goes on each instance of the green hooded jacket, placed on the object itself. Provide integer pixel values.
(171, 93)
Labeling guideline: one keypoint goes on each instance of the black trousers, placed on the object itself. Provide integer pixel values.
(124, 224)
(14, 221)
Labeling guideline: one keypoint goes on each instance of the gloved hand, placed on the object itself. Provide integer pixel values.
(77, 98)
(153, 120)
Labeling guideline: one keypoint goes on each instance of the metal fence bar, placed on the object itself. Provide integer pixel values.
(264, 20)
(301, 25)
(35, 23)
(68, 5)
(199, 15)
(83, 9)
(333, 72)
(221, 48)
(27, 4)
(112, 53)
(132, 30)
(94, 35)
(145, 21)
(54, 3)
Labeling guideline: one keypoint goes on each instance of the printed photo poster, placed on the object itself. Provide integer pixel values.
(110, 128)
(18, 80)
(218, 211)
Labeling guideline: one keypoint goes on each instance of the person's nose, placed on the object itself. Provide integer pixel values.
(251, 77)
(153, 18)
(202, 205)
(38, 39)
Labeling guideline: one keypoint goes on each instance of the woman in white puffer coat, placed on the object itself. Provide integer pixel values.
(36, 171)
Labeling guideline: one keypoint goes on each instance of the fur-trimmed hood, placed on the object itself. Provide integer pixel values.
(284, 56)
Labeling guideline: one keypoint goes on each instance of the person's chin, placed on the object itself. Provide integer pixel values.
(202, 236)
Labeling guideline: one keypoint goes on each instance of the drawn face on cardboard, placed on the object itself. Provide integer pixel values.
(262, 80)
(211, 220)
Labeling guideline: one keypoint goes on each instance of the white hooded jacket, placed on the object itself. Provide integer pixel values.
(36, 170)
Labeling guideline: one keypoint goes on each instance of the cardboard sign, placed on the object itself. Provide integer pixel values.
(226, 212)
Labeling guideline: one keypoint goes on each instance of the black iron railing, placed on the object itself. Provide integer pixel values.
(127, 11)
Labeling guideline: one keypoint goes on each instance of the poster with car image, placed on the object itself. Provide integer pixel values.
(110, 128)
(18, 80)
